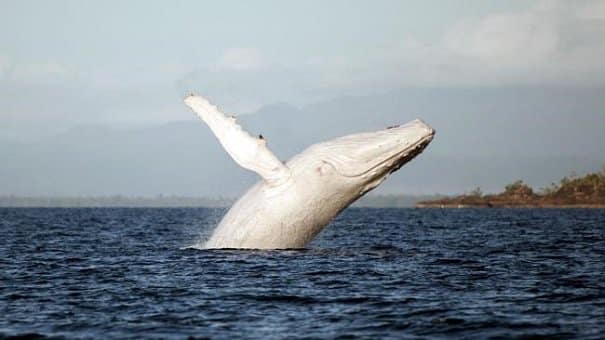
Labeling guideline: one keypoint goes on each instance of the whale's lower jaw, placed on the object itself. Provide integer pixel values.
(267, 236)
(294, 242)
(285, 221)
(269, 233)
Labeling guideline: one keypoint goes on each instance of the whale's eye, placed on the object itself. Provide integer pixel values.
(323, 168)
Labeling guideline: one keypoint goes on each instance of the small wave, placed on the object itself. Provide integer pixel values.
(24, 336)
(276, 298)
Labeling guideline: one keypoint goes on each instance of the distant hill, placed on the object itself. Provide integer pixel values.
(479, 141)
(113, 201)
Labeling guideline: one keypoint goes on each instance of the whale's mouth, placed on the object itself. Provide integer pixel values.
(391, 163)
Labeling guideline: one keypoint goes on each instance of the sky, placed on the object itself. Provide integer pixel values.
(68, 64)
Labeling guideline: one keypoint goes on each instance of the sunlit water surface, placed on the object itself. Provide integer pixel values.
(98, 273)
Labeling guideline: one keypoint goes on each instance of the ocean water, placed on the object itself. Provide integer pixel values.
(373, 273)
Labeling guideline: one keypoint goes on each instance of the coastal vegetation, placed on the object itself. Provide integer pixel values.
(571, 191)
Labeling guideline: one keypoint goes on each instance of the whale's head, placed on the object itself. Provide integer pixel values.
(360, 162)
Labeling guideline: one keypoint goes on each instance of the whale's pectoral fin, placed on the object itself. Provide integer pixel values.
(247, 151)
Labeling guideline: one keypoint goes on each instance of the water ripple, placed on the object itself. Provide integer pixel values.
(374, 273)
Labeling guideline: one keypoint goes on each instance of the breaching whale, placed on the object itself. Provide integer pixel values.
(294, 201)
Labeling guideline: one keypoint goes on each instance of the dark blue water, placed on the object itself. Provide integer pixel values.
(373, 273)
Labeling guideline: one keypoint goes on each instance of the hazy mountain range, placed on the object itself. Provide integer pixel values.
(479, 142)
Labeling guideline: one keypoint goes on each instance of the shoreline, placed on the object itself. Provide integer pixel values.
(508, 206)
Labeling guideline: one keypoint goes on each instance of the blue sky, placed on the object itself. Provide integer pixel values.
(75, 62)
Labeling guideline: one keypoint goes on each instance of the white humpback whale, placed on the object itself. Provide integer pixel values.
(294, 201)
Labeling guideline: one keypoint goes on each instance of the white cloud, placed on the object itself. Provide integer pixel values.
(549, 43)
(43, 72)
(127, 77)
(515, 38)
(241, 59)
(592, 10)
(4, 63)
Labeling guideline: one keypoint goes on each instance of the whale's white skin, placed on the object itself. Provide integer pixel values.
(294, 201)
